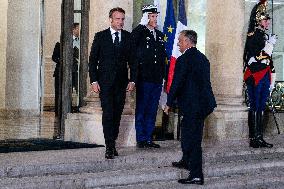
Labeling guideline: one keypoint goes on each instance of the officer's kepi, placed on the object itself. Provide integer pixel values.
(150, 9)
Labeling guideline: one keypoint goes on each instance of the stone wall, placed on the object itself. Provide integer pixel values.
(52, 28)
(3, 46)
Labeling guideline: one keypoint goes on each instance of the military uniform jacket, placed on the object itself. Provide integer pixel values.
(150, 54)
(254, 46)
(107, 63)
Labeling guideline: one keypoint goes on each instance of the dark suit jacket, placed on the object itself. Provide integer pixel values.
(106, 63)
(191, 85)
(56, 59)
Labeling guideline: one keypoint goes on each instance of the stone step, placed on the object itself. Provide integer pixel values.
(92, 160)
(265, 180)
(87, 168)
(230, 175)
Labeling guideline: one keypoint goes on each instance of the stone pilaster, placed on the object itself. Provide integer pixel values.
(224, 49)
(3, 46)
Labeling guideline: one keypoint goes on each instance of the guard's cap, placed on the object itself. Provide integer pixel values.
(150, 9)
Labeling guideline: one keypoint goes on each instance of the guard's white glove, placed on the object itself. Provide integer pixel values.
(273, 78)
(251, 60)
(268, 48)
(144, 20)
(269, 45)
(272, 39)
(164, 82)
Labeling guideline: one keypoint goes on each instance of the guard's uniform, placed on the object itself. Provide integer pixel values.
(150, 57)
(257, 71)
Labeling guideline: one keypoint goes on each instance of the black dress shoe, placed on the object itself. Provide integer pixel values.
(152, 145)
(259, 143)
(180, 164)
(109, 153)
(198, 181)
(115, 153)
(264, 144)
(141, 144)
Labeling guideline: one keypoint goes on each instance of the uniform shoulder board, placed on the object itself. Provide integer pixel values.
(262, 56)
(250, 34)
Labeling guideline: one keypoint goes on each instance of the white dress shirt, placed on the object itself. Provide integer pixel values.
(112, 31)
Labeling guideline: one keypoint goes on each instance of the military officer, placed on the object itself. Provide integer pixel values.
(150, 55)
(259, 73)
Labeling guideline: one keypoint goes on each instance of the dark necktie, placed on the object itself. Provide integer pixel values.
(116, 39)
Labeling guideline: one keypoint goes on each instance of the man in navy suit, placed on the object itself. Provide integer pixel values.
(108, 69)
(192, 88)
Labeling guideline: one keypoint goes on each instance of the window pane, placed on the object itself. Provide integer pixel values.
(77, 4)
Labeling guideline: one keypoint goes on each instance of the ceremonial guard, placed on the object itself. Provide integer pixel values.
(150, 55)
(259, 73)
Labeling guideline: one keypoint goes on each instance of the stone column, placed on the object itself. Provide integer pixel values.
(20, 61)
(86, 126)
(23, 57)
(3, 47)
(224, 49)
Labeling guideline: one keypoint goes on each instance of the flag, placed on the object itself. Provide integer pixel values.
(169, 31)
(181, 25)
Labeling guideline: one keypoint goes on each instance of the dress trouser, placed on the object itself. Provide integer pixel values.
(147, 100)
(258, 94)
(112, 103)
(191, 138)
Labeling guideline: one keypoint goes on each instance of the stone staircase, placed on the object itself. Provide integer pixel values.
(230, 164)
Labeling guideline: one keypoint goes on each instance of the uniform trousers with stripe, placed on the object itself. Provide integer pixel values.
(147, 100)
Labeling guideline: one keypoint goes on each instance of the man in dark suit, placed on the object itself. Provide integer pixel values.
(110, 55)
(56, 59)
(192, 88)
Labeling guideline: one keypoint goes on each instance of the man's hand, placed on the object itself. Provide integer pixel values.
(166, 109)
(95, 87)
(130, 86)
